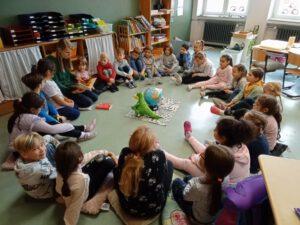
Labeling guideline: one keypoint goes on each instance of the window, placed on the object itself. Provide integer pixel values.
(222, 7)
(180, 8)
(286, 9)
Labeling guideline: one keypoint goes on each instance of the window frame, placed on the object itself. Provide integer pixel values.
(224, 12)
(276, 16)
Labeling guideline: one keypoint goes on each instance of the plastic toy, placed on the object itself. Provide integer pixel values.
(141, 108)
(152, 97)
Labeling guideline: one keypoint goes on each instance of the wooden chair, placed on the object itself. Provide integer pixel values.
(293, 65)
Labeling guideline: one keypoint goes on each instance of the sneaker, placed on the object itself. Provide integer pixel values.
(216, 110)
(219, 103)
(187, 126)
(129, 85)
(86, 109)
(189, 87)
(178, 79)
(142, 77)
(91, 126)
(133, 83)
(111, 88)
(86, 136)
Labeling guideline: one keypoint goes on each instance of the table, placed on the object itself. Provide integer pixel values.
(282, 178)
(265, 53)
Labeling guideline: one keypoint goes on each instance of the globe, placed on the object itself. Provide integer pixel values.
(152, 96)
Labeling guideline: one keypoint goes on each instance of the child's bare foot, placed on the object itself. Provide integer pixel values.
(60, 200)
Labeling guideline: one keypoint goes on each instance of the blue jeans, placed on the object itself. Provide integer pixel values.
(177, 190)
(71, 113)
(84, 99)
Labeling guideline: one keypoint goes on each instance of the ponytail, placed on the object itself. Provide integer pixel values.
(131, 175)
(218, 162)
(68, 156)
(33, 69)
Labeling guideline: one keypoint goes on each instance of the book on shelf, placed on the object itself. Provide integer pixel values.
(139, 41)
(136, 25)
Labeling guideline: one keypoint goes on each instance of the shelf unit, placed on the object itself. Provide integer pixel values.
(146, 9)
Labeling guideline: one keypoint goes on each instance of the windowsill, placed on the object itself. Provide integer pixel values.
(274, 21)
(223, 18)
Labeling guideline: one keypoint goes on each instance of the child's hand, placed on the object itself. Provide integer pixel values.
(69, 102)
(111, 81)
(228, 91)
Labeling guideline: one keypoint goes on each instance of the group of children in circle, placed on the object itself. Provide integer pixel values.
(143, 171)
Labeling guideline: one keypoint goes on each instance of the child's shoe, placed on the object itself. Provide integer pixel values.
(142, 77)
(178, 79)
(91, 126)
(133, 84)
(215, 110)
(187, 126)
(129, 85)
(86, 109)
(86, 136)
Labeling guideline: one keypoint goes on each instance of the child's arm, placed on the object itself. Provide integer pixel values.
(113, 74)
(63, 101)
(207, 72)
(42, 126)
(236, 99)
(49, 119)
(175, 62)
(119, 72)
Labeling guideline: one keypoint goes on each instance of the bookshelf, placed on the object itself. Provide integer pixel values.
(132, 32)
(159, 35)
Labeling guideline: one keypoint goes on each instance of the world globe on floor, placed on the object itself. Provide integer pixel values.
(153, 96)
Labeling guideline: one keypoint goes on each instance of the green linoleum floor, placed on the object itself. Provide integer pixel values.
(114, 130)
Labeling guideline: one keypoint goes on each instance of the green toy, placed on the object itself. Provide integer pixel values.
(141, 108)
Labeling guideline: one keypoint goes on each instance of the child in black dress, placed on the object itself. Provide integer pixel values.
(143, 176)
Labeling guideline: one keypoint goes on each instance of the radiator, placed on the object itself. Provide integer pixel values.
(283, 33)
(218, 32)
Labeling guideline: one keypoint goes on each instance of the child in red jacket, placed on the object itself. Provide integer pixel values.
(106, 73)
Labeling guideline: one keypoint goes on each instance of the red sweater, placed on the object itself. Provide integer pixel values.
(101, 71)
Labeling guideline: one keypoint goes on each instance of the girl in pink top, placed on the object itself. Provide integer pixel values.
(229, 132)
(268, 105)
(221, 80)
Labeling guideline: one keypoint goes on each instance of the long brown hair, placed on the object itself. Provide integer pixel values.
(68, 156)
(218, 163)
(258, 119)
(141, 141)
(64, 64)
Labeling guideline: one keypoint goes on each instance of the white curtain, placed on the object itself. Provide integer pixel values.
(97, 45)
(13, 65)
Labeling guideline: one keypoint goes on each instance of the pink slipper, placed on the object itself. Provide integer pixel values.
(215, 110)
(187, 128)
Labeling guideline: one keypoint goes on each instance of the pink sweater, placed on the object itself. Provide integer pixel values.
(223, 76)
(241, 168)
(271, 131)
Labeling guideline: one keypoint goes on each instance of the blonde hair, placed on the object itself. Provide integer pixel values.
(103, 55)
(27, 142)
(199, 43)
(275, 90)
(141, 141)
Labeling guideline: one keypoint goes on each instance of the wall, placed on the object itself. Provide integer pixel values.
(181, 25)
(115, 10)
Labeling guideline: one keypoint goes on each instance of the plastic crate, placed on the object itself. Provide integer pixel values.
(106, 28)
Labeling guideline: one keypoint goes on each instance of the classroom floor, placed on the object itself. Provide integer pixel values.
(114, 130)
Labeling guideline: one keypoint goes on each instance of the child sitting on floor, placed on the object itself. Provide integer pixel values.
(184, 58)
(220, 81)
(123, 70)
(137, 64)
(34, 82)
(151, 69)
(274, 89)
(221, 98)
(246, 97)
(35, 169)
(168, 64)
(79, 178)
(200, 197)
(260, 144)
(143, 176)
(229, 132)
(65, 106)
(201, 70)
(106, 74)
(82, 74)
(268, 105)
(25, 119)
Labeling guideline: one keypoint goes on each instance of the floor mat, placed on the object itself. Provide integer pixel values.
(167, 109)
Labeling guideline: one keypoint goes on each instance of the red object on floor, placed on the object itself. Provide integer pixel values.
(215, 110)
(187, 127)
(104, 106)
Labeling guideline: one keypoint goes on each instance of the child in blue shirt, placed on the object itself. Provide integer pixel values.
(184, 58)
(137, 64)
